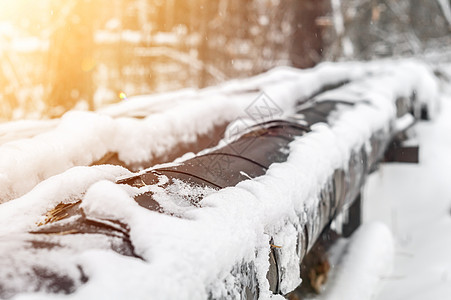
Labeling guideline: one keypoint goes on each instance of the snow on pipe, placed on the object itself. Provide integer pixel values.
(82, 138)
(200, 228)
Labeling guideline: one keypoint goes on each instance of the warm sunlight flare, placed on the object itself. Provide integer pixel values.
(57, 55)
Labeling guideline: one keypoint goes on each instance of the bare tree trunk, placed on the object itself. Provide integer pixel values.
(307, 43)
(203, 46)
(71, 59)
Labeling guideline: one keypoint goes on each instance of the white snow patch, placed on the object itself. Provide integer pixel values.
(367, 260)
(415, 202)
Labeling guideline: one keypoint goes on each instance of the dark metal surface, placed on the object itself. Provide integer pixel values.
(399, 152)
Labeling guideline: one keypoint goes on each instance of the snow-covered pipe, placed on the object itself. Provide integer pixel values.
(202, 227)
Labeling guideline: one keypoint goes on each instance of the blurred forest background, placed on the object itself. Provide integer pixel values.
(56, 55)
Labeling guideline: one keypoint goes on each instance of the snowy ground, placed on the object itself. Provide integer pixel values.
(358, 264)
(402, 249)
(414, 201)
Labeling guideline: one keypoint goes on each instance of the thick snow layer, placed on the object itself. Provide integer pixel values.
(24, 213)
(24, 129)
(194, 256)
(415, 202)
(368, 258)
(82, 138)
